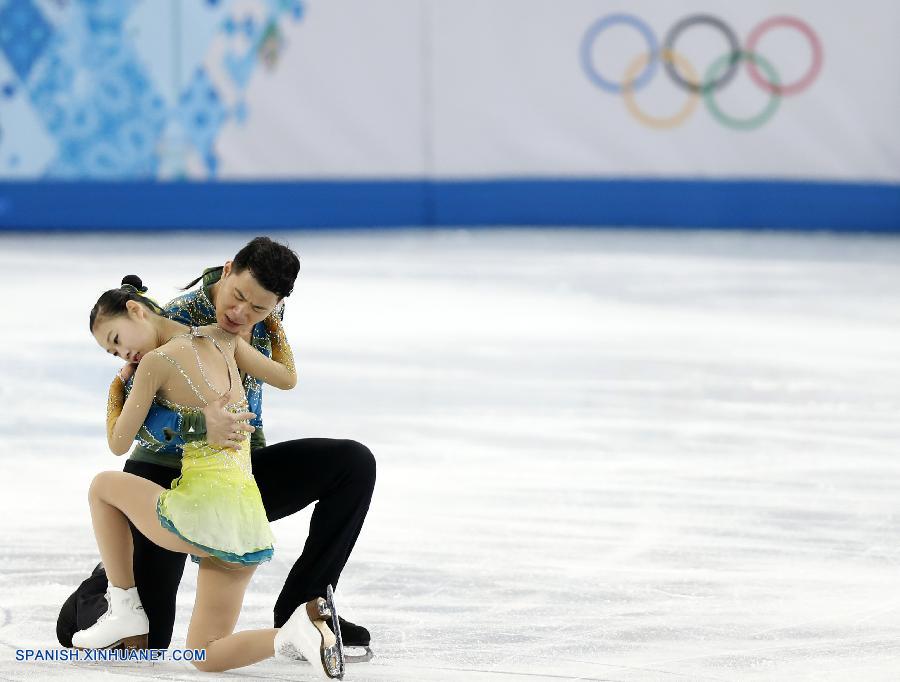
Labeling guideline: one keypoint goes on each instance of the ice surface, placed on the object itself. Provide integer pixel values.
(603, 455)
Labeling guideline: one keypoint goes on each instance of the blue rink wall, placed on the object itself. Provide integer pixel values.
(783, 205)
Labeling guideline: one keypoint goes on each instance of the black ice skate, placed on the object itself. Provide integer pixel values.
(356, 642)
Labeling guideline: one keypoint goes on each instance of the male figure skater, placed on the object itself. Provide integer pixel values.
(339, 474)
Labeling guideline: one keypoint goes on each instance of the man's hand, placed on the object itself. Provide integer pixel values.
(225, 429)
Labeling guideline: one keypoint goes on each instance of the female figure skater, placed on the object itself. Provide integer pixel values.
(213, 511)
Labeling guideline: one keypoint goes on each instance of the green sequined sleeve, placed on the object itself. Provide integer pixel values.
(281, 349)
(279, 370)
(114, 404)
(193, 427)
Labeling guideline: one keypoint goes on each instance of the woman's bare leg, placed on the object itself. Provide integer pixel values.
(220, 593)
(115, 498)
(115, 495)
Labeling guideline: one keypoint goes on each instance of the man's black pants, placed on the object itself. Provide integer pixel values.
(340, 474)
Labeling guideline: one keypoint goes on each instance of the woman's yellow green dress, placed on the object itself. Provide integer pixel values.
(215, 504)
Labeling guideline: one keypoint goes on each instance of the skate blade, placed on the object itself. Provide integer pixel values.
(330, 662)
(328, 650)
(351, 657)
(339, 663)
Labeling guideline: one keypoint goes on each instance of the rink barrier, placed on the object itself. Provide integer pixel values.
(321, 204)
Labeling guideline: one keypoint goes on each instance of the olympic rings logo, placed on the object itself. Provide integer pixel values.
(717, 75)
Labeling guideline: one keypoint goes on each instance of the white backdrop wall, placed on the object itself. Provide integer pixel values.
(511, 97)
(346, 99)
(475, 88)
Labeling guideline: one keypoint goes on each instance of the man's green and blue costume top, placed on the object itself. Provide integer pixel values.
(165, 431)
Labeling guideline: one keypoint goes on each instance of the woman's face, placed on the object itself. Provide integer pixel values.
(129, 336)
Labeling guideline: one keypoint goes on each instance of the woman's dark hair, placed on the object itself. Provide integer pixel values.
(273, 265)
(113, 302)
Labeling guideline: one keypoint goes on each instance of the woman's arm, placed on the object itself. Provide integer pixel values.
(279, 371)
(125, 416)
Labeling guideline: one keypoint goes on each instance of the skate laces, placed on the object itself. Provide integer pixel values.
(106, 613)
(128, 603)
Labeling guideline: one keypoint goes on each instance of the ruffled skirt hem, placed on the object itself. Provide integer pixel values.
(250, 558)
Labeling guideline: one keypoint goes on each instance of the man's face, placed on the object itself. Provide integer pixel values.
(241, 301)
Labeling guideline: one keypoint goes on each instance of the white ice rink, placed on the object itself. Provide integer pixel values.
(602, 455)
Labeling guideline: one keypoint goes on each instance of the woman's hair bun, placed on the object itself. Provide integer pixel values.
(134, 281)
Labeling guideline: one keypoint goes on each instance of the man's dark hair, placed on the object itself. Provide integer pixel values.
(273, 265)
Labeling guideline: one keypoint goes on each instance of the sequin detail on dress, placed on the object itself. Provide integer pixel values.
(215, 504)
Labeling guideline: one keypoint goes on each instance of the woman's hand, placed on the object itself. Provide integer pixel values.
(127, 372)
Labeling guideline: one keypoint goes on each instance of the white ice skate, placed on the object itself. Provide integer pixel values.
(123, 626)
(306, 636)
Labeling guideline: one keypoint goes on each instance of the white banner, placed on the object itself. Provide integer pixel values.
(344, 101)
(515, 95)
